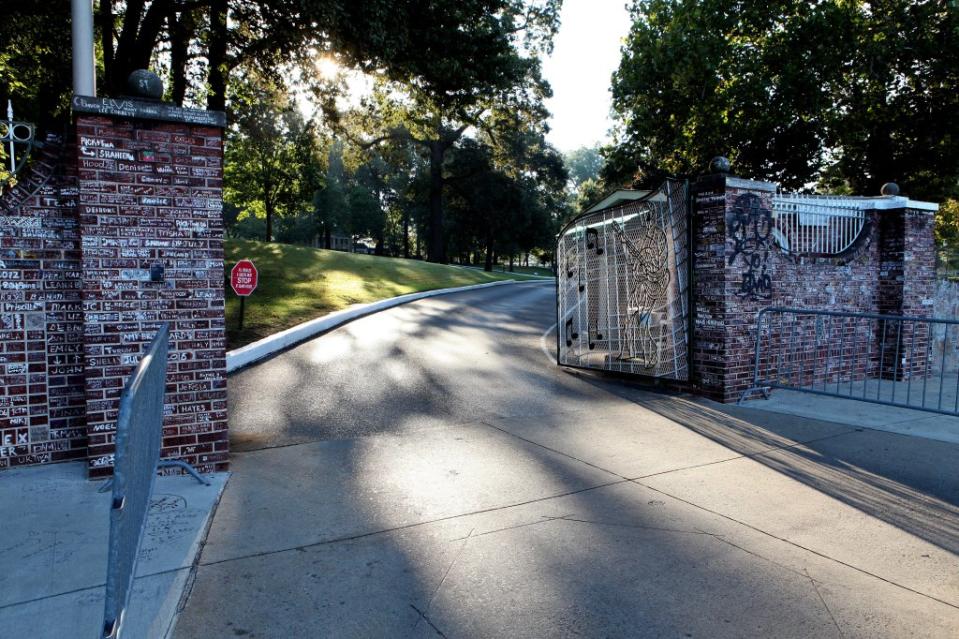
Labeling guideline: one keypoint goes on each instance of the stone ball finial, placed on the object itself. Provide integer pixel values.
(889, 188)
(145, 84)
(719, 164)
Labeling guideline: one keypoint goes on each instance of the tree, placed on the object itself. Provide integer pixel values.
(590, 192)
(267, 153)
(761, 83)
(367, 198)
(435, 103)
(484, 203)
(330, 205)
(506, 187)
(442, 46)
(584, 163)
(34, 73)
(947, 233)
(407, 193)
(435, 125)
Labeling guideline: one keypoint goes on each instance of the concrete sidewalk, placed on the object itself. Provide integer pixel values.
(840, 410)
(640, 516)
(53, 549)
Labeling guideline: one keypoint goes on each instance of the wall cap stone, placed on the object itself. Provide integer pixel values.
(867, 203)
(144, 110)
(720, 181)
(755, 185)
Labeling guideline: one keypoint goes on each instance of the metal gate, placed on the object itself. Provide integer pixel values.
(911, 362)
(623, 287)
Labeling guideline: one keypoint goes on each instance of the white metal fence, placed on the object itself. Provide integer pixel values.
(818, 225)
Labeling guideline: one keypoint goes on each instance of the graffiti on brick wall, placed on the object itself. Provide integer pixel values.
(750, 226)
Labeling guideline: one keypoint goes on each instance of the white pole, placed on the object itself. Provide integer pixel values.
(84, 72)
(13, 166)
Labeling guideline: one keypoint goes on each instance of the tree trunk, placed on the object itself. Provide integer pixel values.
(138, 40)
(436, 247)
(327, 237)
(181, 30)
(406, 235)
(510, 262)
(105, 17)
(488, 266)
(269, 206)
(120, 67)
(879, 161)
(216, 101)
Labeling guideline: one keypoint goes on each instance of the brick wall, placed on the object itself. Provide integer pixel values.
(150, 194)
(740, 269)
(134, 186)
(41, 329)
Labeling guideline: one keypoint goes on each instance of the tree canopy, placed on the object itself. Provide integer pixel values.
(842, 93)
(506, 88)
(459, 86)
(584, 163)
(452, 48)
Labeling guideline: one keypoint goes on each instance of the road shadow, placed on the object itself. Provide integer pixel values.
(356, 538)
(422, 363)
(592, 554)
(909, 482)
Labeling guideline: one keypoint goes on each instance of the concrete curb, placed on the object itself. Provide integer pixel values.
(524, 277)
(246, 355)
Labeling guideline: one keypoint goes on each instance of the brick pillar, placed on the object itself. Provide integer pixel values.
(919, 262)
(150, 189)
(733, 279)
(907, 279)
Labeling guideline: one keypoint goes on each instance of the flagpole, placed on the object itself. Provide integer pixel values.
(84, 71)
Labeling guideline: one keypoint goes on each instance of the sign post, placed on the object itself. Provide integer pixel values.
(243, 279)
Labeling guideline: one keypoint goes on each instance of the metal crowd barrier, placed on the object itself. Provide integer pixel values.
(135, 463)
(911, 362)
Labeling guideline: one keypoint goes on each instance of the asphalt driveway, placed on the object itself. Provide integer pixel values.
(429, 471)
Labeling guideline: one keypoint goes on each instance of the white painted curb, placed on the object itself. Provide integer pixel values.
(265, 347)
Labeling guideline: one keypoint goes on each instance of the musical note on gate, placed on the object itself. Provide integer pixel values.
(592, 240)
(579, 271)
(592, 328)
(570, 333)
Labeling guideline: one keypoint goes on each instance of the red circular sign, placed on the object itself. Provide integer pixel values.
(243, 278)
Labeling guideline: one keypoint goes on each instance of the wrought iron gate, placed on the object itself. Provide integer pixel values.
(623, 284)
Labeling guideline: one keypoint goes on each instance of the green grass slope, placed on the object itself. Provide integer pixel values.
(297, 284)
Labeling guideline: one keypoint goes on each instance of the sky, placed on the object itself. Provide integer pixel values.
(585, 54)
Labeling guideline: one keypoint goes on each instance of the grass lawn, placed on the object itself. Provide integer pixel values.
(297, 284)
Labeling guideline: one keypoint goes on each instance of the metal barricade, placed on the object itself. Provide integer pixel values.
(911, 362)
(135, 463)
